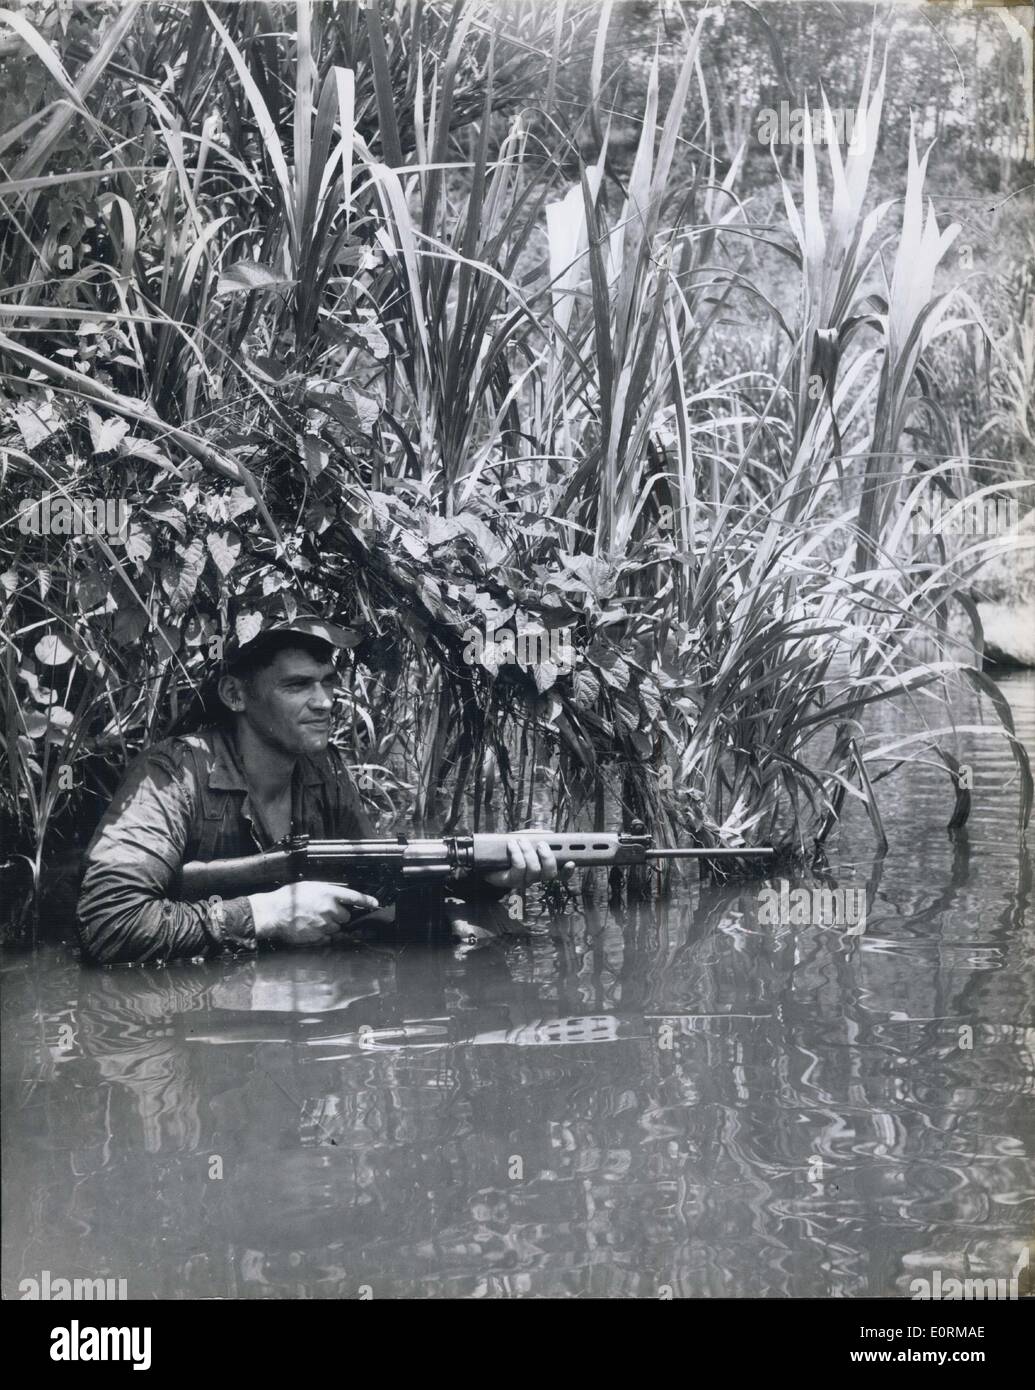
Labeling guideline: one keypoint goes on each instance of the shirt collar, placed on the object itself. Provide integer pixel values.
(227, 772)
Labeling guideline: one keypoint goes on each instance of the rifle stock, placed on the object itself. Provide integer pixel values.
(235, 878)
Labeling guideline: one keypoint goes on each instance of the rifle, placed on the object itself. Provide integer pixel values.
(389, 865)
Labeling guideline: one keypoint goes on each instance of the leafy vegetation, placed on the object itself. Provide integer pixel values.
(357, 319)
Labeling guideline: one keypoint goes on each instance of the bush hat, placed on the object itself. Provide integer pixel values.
(272, 635)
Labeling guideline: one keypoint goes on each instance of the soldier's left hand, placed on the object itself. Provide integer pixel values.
(531, 861)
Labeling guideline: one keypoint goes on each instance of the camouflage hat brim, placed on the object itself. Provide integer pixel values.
(343, 637)
(334, 635)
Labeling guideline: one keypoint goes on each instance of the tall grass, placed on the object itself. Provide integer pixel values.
(352, 323)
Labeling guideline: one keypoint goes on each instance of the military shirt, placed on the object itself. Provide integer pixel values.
(186, 799)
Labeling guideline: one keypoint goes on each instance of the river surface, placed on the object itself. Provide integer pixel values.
(680, 1099)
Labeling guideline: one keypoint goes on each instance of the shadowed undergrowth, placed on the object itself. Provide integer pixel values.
(328, 295)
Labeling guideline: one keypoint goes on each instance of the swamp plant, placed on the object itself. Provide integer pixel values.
(354, 325)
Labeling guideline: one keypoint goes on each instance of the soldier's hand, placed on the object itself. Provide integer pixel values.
(530, 861)
(308, 913)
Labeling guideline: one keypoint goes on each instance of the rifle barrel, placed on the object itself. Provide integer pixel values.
(702, 853)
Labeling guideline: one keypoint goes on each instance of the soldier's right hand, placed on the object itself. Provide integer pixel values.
(308, 913)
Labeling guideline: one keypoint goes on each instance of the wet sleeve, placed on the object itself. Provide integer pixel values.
(125, 912)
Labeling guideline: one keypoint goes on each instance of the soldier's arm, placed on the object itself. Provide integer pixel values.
(125, 911)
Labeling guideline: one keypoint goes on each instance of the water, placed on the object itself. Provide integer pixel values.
(639, 1101)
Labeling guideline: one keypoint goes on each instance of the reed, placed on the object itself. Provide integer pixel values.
(349, 322)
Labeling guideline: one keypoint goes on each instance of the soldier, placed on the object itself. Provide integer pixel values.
(264, 770)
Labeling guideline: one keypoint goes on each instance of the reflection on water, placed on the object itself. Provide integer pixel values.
(633, 1100)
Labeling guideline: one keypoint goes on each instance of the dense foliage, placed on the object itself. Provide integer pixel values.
(459, 318)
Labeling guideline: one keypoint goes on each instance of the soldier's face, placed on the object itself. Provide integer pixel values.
(289, 702)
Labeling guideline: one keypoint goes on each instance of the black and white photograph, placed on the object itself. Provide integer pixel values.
(517, 666)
